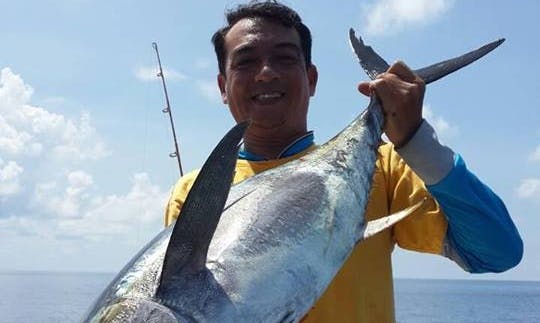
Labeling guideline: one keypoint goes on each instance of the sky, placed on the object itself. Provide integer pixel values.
(84, 165)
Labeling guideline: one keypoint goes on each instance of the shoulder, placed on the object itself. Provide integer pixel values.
(189, 177)
(183, 185)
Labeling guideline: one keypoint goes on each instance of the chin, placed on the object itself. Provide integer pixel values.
(267, 123)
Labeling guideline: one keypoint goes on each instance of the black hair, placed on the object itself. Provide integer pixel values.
(269, 10)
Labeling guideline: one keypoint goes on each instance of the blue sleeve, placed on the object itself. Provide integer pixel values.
(480, 229)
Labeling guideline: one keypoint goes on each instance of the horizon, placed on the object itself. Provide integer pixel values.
(113, 274)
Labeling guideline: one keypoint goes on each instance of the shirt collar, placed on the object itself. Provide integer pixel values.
(293, 148)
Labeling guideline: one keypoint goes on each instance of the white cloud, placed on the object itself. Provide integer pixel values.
(14, 142)
(43, 152)
(9, 178)
(76, 214)
(79, 179)
(210, 90)
(116, 216)
(388, 16)
(529, 188)
(49, 197)
(535, 156)
(13, 90)
(78, 141)
(149, 74)
(442, 127)
(71, 212)
(28, 130)
(63, 203)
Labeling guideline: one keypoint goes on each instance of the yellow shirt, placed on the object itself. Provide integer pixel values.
(362, 291)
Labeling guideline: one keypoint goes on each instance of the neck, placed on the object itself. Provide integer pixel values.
(271, 142)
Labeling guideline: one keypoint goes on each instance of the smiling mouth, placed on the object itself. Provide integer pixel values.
(268, 98)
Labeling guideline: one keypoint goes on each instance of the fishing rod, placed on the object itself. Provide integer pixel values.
(168, 110)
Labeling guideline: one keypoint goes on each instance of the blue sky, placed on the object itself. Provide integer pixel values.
(84, 166)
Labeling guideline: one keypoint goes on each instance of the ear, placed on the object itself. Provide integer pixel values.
(222, 80)
(313, 76)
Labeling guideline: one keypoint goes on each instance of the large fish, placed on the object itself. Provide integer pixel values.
(266, 251)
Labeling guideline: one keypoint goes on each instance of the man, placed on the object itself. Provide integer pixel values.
(266, 75)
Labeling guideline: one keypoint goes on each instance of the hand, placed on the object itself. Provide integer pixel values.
(402, 94)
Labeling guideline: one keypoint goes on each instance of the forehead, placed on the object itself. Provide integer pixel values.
(259, 33)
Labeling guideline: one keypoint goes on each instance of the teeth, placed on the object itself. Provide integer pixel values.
(268, 96)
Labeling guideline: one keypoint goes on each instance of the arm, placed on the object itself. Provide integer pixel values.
(481, 236)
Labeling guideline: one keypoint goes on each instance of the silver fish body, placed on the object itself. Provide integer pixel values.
(282, 237)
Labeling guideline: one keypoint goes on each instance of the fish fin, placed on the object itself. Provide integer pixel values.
(375, 226)
(436, 71)
(200, 214)
(373, 64)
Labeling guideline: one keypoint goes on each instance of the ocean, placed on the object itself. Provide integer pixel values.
(478, 301)
(64, 297)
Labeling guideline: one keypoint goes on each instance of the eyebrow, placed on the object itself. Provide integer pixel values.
(288, 45)
(250, 47)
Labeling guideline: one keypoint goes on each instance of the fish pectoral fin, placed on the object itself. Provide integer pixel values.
(375, 226)
(200, 214)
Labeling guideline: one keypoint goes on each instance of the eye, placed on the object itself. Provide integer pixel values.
(287, 59)
(244, 62)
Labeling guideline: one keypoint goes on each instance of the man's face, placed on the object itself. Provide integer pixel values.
(266, 77)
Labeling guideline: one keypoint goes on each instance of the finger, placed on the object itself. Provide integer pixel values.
(384, 92)
(364, 88)
(400, 69)
(380, 87)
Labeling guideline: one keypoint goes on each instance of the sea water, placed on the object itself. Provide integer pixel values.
(479, 301)
(65, 297)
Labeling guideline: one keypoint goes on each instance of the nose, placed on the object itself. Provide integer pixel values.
(266, 72)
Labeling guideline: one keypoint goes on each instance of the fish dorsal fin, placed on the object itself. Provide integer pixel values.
(375, 226)
(202, 209)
